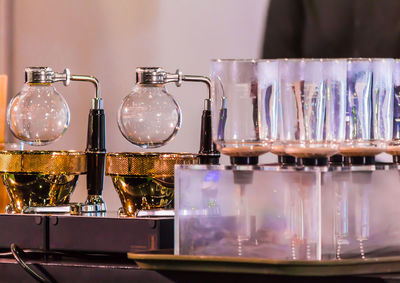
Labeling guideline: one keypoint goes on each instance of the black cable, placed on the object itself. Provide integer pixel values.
(71, 254)
(7, 254)
(17, 252)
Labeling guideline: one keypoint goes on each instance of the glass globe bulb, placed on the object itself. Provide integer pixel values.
(149, 117)
(38, 115)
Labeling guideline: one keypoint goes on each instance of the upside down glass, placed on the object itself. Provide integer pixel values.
(394, 146)
(312, 95)
(271, 117)
(369, 106)
(244, 92)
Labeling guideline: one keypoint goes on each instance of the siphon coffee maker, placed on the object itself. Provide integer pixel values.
(42, 181)
(149, 117)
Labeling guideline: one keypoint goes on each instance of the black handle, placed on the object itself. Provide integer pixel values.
(208, 153)
(96, 139)
(96, 151)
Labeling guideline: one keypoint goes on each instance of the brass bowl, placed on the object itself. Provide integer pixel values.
(145, 181)
(40, 178)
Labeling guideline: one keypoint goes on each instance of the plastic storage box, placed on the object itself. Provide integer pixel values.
(273, 212)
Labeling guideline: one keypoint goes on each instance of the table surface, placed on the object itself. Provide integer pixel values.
(123, 270)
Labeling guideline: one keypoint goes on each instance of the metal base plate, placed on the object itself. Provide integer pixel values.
(156, 213)
(97, 209)
(48, 209)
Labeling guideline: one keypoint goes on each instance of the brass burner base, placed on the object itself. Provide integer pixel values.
(41, 181)
(144, 181)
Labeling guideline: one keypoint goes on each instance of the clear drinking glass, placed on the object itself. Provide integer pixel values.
(312, 94)
(272, 122)
(369, 106)
(244, 95)
(335, 83)
(394, 146)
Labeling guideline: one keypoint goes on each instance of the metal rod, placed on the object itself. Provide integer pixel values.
(206, 80)
(178, 77)
(91, 79)
(66, 78)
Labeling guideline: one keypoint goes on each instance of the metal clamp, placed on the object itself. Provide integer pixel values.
(158, 76)
(46, 75)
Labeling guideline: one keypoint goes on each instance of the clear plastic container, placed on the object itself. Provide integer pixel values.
(244, 103)
(295, 213)
(359, 212)
(247, 211)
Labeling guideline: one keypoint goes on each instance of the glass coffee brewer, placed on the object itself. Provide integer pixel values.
(393, 147)
(310, 210)
(313, 98)
(42, 181)
(149, 117)
(369, 112)
(243, 92)
(245, 209)
(245, 105)
(369, 117)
